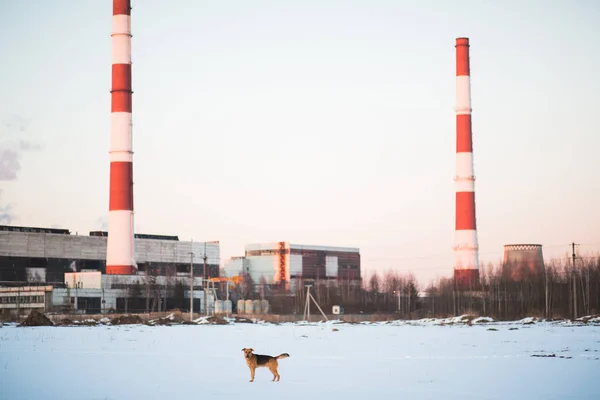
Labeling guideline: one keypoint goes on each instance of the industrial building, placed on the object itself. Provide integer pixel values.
(74, 267)
(90, 292)
(44, 255)
(284, 262)
(93, 292)
(23, 300)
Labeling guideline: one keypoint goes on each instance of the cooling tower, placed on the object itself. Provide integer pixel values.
(523, 262)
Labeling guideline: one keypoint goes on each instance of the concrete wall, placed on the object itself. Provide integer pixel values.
(76, 247)
(62, 297)
(84, 279)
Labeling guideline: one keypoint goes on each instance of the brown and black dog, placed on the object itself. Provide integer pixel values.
(259, 360)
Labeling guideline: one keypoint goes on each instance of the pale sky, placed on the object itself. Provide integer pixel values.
(316, 122)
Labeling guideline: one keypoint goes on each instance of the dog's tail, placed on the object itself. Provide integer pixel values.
(282, 355)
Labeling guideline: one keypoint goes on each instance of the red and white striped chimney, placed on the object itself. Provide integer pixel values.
(466, 257)
(120, 258)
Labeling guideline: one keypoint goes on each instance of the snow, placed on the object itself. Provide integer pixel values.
(424, 359)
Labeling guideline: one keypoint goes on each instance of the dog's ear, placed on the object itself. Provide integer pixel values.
(244, 349)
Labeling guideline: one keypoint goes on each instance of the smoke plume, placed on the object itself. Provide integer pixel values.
(28, 146)
(5, 212)
(102, 223)
(9, 164)
(12, 146)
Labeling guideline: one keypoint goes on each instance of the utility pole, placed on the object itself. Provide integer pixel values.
(307, 305)
(587, 296)
(310, 297)
(191, 281)
(409, 295)
(205, 281)
(574, 282)
(227, 298)
(546, 292)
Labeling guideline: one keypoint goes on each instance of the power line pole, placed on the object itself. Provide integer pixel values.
(310, 297)
(574, 282)
(546, 292)
(307, 305)
(206, 281)
(191, 281)
(587, 296)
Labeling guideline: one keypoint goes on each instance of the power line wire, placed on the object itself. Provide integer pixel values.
(416, 269)
(447, 254)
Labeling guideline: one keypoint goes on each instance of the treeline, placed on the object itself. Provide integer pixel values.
(146, 295)
(555, 291)
(559, 290)
(382, 294)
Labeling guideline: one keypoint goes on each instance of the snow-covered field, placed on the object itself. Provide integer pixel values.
(417, 360)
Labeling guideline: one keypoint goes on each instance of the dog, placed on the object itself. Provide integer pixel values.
(259, 360)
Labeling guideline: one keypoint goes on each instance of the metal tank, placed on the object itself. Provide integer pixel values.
(227, 306)
(241, 306)
(249, 307)
(257, 307)
(264, 306)
(523, 262)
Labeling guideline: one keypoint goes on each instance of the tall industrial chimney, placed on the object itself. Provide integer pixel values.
(466, 257)
(120, 258)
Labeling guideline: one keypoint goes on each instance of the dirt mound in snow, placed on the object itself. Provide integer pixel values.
(36, 318)
(127, 320)
(70, 322)
(467, 319)
(590, 318)
(242, 320)
(216, 320)
(176, 316)
(86, 322)
(161, 321)
(212, 320)
(173, 318)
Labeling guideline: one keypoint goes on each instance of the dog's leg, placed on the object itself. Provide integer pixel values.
(273, 370)
(252, 374)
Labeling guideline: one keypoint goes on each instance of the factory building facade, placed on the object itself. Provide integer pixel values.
(91, 292)
(41, 255)
(280, 263)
